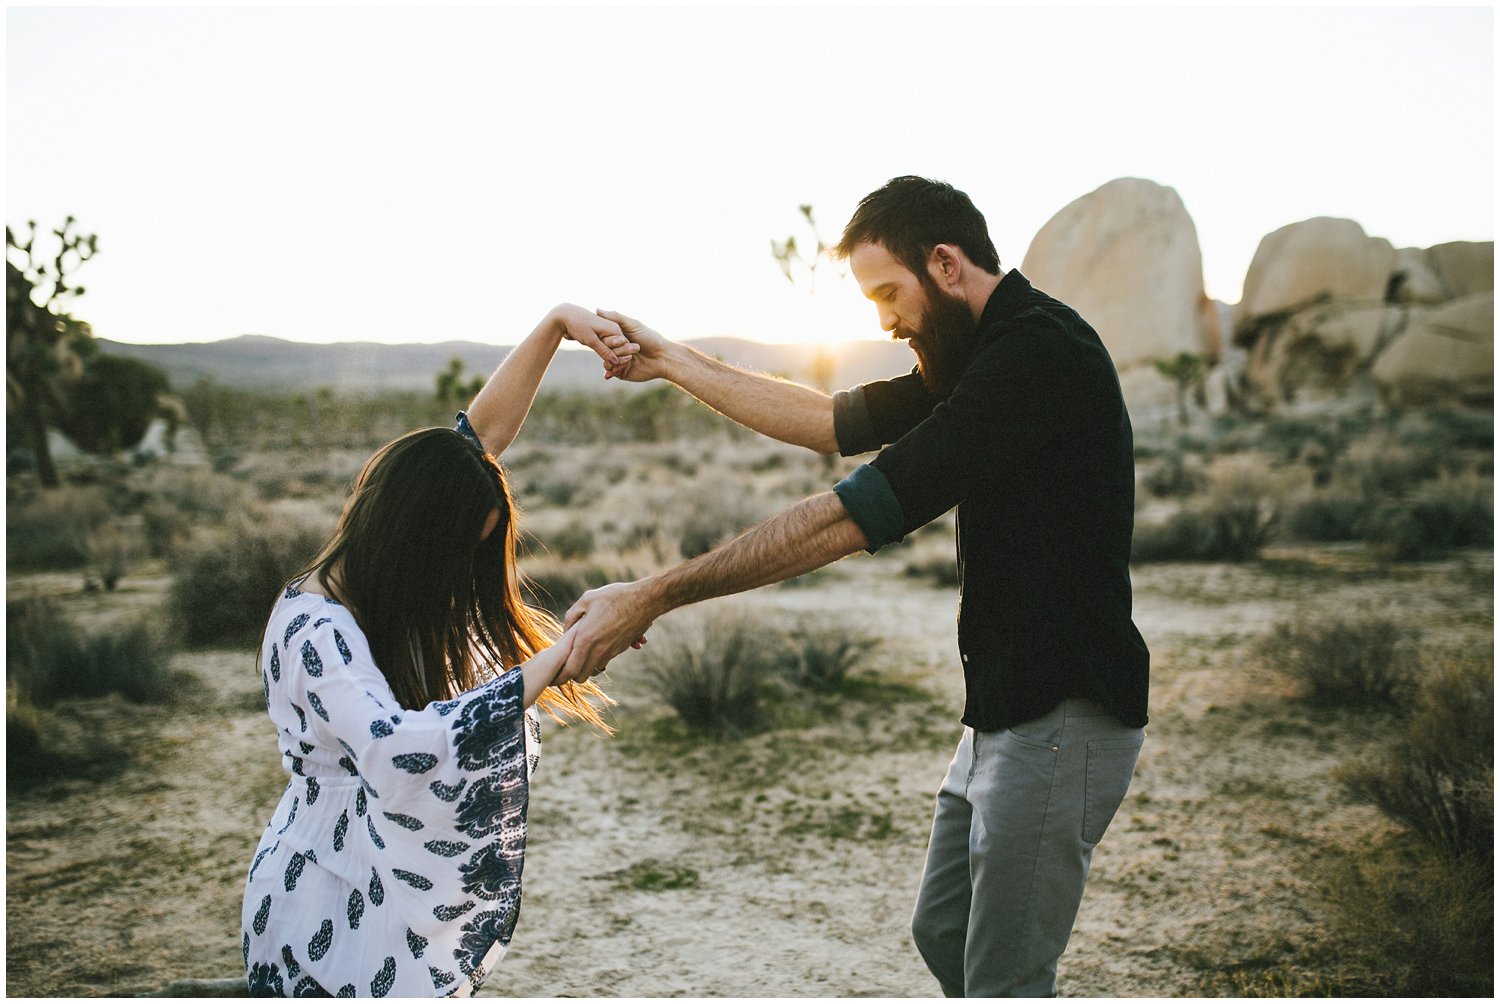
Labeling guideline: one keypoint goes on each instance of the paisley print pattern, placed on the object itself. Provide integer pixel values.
(446, 784)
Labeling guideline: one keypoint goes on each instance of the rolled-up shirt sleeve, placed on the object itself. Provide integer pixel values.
(871, 415)
(872, 505)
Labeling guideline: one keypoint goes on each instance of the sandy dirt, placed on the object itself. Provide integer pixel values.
(781, 864)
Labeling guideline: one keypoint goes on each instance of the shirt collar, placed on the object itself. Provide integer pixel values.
(1009, 299)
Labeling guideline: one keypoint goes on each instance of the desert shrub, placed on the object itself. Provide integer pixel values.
(49, 530)
(821, 658)
(1438, 777)
(48, 659)
(1366, 661)
(164, 527)
(1465, 430)
(556, 585)
(1452, 511)
(1173, 476)
(1380, 465)
(23, 727)
(1232, 524)
(112, 550)
(222, 589)
(941, 569)
(1327, 515)
(711, 672)
(573, 541)
(714, 516)
(1186, 536)
(1420, 924)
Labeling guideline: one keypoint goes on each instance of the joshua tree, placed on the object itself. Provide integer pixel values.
(43, 342)
(1187, 370)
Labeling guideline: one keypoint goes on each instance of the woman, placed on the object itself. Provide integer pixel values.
(400, 668)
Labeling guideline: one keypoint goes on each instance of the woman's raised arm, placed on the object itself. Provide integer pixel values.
(500, 407)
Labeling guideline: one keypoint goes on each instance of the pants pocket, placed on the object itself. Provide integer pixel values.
(1110, 764)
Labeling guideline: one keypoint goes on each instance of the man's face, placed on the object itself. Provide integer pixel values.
(938, 325)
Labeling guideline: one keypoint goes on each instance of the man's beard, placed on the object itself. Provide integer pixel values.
(944, 341)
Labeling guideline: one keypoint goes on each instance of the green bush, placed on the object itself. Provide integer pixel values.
(711, 672)
(48, 659)
(941, 569)
(222, 590)
(1438, 778)
(713, 517)
(1329, 515)
(1452, 511)
(49, 531)
(823, 656)
(556, 585)
(1173, 476)
(574, 541)
(1367, 661)
(1232, 524)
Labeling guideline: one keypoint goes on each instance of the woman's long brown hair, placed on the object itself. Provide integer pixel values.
(436, 604)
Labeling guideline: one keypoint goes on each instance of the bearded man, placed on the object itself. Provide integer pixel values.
(1014, 415)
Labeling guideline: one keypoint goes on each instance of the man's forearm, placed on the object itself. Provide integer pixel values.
(815, 532)
(785, 411)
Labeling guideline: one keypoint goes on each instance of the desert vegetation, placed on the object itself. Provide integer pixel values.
(1312, 814)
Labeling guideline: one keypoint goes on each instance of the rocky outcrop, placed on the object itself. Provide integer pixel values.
(1126, 257)
(1447, 354)
(1464, 267)
(1328, 310)
(1317, 261)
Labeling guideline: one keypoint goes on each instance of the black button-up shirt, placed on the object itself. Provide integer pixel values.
(1034, 447)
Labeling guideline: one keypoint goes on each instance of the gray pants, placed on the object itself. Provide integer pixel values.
(1017, 820)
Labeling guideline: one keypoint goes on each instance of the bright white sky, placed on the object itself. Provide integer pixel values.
(419, 175)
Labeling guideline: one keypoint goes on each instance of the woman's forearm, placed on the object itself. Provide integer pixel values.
(501, 405)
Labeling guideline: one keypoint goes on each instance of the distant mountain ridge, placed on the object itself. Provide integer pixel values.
(261, 362)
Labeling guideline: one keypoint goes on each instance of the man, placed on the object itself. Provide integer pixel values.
(1014, 415)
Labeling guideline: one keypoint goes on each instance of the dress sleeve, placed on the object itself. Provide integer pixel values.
(409, 757)
(463, 428)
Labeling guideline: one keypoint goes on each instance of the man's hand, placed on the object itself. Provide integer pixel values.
(649, 360)
(599, 333)
(605, 622)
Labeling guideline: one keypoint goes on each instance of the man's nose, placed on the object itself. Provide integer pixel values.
(887, 320)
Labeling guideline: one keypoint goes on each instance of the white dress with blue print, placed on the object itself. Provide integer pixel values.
(392, 866)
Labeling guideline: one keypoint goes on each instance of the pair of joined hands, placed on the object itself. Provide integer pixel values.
(629, 350)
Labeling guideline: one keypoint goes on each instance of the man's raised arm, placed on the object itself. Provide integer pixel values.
(776, 408)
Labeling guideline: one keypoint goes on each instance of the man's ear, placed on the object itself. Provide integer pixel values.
(945, 263)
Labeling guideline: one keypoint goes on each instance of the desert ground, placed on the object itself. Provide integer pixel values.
(776, 861)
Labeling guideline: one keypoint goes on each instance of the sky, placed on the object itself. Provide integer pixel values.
(413, 175)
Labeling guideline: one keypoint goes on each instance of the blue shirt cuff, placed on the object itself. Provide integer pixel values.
(872, 505)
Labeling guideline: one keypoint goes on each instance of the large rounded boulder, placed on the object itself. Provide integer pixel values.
(1317, 261)
(1126, 257)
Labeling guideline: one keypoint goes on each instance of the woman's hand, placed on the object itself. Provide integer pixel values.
(598, 333)
(541, 670)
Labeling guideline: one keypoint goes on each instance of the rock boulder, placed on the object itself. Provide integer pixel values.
(1445, 355)
(1322, 260)
(1126, 257)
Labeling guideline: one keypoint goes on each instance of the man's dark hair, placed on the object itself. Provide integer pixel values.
(909, 216)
